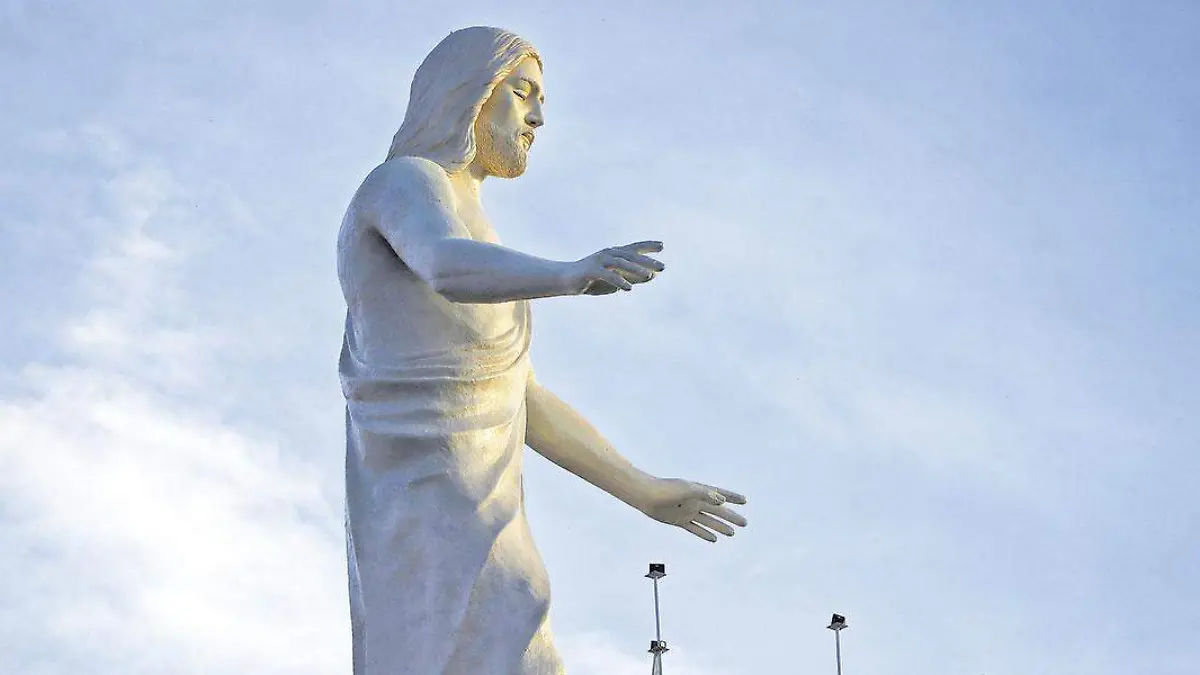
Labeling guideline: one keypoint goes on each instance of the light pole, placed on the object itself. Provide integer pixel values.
(657, 645)
(837, 625)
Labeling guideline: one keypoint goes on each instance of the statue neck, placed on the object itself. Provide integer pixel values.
(468, 184)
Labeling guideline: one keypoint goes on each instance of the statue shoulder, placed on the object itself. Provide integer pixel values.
(406, 178)
(401, 194)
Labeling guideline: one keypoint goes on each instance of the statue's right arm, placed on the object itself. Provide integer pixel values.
(410, 202)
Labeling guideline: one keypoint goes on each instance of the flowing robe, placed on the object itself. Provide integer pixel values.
(444, 575)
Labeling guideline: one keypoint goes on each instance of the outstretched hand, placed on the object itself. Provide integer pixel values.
(698, 508)
(615, 269)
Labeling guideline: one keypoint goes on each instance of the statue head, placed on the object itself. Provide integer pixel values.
(475, 101)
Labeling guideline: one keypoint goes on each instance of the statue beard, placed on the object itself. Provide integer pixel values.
(500, 154)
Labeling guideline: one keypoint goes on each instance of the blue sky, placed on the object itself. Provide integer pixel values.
(931, 302)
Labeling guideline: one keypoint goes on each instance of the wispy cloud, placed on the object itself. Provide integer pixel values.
(141, 532)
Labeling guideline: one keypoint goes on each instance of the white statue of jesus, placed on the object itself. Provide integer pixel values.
(440, 395)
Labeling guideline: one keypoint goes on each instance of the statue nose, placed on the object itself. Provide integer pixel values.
(534, 118)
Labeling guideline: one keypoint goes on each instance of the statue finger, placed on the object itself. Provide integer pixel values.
(699, 532)
(724, 513)
(714, 524)
(639, 259)
(729, 495)
(640, 277)
(644, 246)
(613, 259)
(600, 288)
(610, 277)
(629, 270)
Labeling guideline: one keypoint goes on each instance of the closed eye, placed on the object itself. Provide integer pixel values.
(520, 94)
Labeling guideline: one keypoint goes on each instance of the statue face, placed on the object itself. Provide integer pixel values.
(504, 130)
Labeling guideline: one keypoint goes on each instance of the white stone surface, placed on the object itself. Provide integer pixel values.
(440, 394)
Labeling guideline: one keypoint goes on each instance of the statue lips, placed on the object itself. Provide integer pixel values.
(528, 136)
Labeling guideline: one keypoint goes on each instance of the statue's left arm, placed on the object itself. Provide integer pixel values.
(561, 435)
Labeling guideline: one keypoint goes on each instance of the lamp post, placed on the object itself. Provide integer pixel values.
(837, 625)
(657, 645)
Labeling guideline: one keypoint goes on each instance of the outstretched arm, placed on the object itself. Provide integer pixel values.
(411, 203)
(558, 433)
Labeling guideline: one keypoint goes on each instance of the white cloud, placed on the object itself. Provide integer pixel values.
(150, 536)
(140, 532)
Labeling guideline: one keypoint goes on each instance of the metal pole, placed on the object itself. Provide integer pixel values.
(657, 646)
(837, 641)
(657, 626)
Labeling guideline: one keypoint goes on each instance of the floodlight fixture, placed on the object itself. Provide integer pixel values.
(837, 625)
(657, 646)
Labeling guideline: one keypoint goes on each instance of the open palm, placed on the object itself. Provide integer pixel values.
(698, 508)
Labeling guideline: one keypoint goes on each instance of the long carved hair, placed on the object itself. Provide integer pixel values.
(448, 90)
